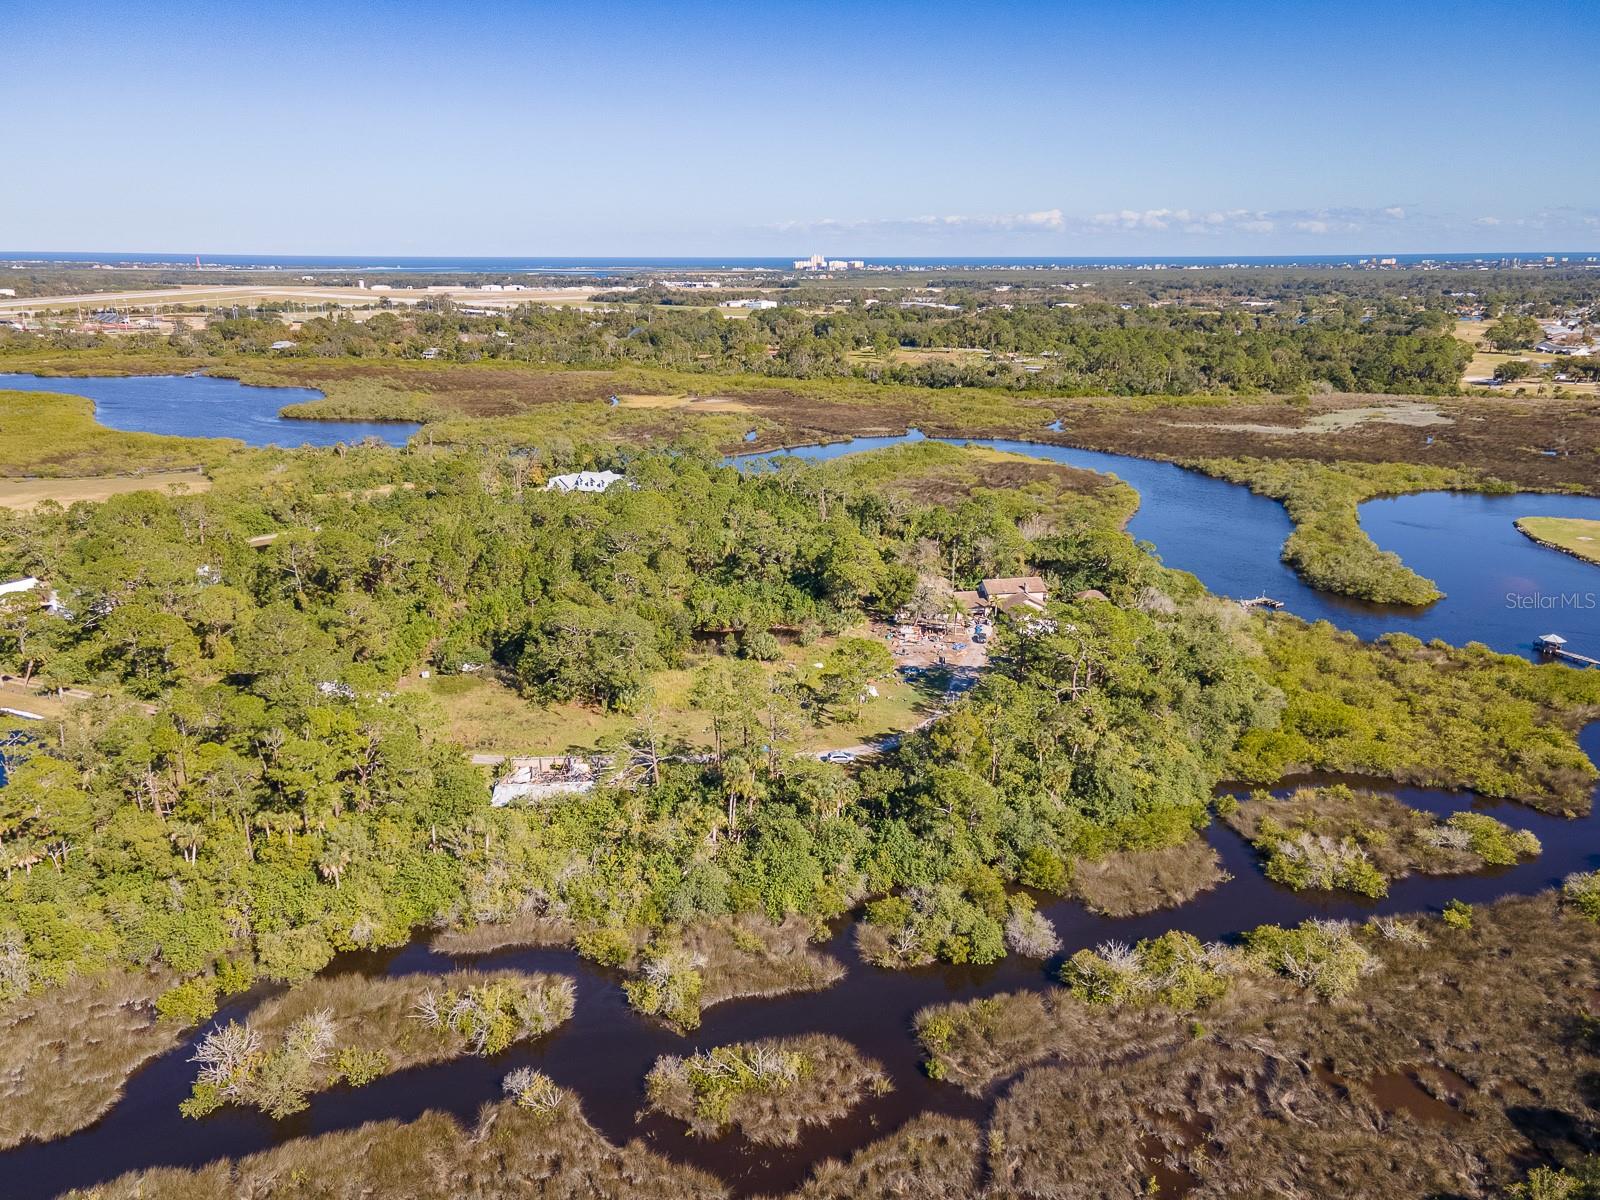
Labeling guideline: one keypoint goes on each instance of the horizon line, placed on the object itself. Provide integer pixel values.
(184, 256)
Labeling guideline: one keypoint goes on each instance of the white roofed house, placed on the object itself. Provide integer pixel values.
(583, 481)
(28, 583)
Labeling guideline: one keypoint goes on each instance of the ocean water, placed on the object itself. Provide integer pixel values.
(608, 264)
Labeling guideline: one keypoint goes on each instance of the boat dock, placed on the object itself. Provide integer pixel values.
(1553, 645)
(1262, 601)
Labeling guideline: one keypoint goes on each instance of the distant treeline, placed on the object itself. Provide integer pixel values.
(1091, 349)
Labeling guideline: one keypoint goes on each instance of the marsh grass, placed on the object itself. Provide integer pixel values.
(1328, 547)
(47, 434)
(768, 1090)
(528, 929)
(365, 400)
(1278, 1095)
(1271, 1096)
(1234, 1120)
(1338, 837)
(66, 1052)
(683, 972)
(1130, 882)
(748, 956)
(514, 1153)
(927, 1158)
(1435, 715)
(355, 1029)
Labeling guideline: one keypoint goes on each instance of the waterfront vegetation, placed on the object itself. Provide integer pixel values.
(365, 400)
(768, 1090)
(513, 1152)
(1360, 841)
(347, 1028)
(1423, 714)
(248, 752)
(1328, 547)
(1124, 883)
(66, 1051)
(550, 1152)
(45, 434)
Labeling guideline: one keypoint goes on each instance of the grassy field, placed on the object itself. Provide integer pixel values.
(484, 714)
(1574, 535)
(954, 355)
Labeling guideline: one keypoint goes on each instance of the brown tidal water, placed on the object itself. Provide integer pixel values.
(605, 1051)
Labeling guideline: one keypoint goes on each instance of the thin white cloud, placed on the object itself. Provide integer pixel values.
(1045, 220)
(1327, 225)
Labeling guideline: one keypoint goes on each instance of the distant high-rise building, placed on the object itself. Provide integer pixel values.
(817, 263)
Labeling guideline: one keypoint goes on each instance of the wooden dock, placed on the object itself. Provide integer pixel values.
(1262, 601)
(1554, 646)
(1583, 660)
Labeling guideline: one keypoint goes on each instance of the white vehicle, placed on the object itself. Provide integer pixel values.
(837, 756)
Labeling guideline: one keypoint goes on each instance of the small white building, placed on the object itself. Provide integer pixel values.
(28, 583)
(583, 481)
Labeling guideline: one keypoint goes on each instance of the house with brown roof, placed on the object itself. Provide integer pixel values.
(1011, 593)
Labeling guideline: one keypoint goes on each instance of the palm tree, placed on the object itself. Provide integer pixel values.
(187, 836)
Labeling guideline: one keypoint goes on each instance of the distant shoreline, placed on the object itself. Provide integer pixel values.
(613, 264)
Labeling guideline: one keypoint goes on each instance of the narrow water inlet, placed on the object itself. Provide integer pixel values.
(604, 1052)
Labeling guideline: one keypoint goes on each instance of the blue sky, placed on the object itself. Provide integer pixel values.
(773, 127)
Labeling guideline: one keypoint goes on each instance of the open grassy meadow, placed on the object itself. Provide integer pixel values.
(484, 713)
(1574, 535)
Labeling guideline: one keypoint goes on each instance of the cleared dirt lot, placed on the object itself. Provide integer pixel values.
(26, 494)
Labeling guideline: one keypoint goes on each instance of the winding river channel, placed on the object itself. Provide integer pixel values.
(1502, 590)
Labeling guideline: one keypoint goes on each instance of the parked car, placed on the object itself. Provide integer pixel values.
(837, 756)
